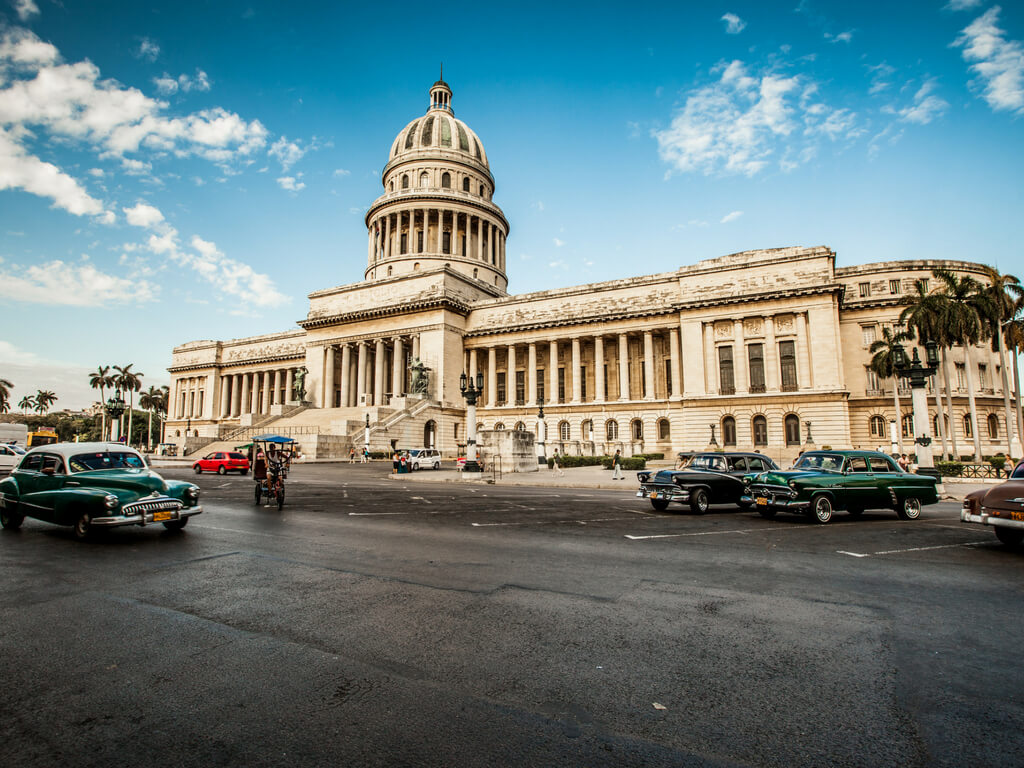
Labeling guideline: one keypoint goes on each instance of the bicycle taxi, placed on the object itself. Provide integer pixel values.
(271, 459)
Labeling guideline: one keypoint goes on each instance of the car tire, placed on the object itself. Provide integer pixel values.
(176, 525)
(197, 469)
(11, 521)
(280, 499)
(222, 470)
(259, 494)
(743, 504)
(83, 526)
(766, 513)
(437, 465)
(245, 472)
(910, 509)
(1011, 537)
(699, 501)
(821, 509)
(659, 504)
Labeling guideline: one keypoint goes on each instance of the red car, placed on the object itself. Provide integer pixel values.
(222, 463)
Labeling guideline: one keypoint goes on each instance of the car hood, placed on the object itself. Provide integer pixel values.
(1008, 496)
(140, 481)
(783, 476)
(669, 476)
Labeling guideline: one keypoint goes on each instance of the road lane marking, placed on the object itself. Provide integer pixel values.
(680, 535)
(375, 514)
(913, 549)
(551, 522)
(420, 498)
(851, 554)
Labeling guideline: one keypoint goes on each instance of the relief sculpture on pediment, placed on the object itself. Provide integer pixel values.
(784, 324)
(753, 327)
(723, 329)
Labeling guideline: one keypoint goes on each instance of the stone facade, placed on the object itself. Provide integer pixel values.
(759, 348)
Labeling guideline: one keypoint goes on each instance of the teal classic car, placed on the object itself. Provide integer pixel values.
(92, 486)
(823, 482)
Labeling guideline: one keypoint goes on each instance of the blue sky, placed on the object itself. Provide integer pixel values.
(191, 170)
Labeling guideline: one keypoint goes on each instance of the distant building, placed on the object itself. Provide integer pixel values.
(764, 347)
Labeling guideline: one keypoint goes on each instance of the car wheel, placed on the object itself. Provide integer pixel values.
(767, 513)
(83, 526)
(699, 501)
(258, 493)
(222, 470)
(1011, 537)
(437, 465)
(245, 472)
(176, 525)
(280, 498)
(660, 504)
(198, 469)
(743, 504)
(11, 520)
(821, 509)
(910, 509)
(855, 512)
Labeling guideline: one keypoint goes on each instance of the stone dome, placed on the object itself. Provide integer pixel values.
(438, 130)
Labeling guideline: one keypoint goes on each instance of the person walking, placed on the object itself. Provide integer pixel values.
(366, 456)
(352, 455)
(617, 466)
(555, 465)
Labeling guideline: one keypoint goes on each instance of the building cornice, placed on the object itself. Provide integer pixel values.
(441, 302)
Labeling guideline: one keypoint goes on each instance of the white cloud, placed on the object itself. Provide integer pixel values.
(739, 123)
(147, 49)
(342, 172)
(143, 215)
(962, 5)
(168, 85)
(26, 9)
(842, 37)
(12, 354)
(291, 183)
(57, 283)
(733, 24)
(731, 217)
(926, 106)
(558, 243)
(997, 62)
(287, 152)
(538, 206)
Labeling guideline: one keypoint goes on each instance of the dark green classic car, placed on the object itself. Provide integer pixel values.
(91, 486)
(823, 482)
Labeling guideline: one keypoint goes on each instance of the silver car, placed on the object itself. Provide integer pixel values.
(423, 458)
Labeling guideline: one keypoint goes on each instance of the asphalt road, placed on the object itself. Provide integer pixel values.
(386, 622)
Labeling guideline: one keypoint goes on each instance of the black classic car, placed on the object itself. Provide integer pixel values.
(1000, 507)
(706, 479)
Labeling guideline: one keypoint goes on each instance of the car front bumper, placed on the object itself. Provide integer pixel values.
(147, 518)
(774, 502)
(666, 492)
(986, 519)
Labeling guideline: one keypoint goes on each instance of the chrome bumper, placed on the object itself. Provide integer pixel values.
(667, 492)
(774, 502)
(145, 518)
(986, 519)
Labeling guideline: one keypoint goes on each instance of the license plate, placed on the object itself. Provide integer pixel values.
(1017, 516)
(159, 517)
(761, 501)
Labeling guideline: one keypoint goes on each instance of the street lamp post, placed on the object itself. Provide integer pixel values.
(713, 445)
(918, 373)
(115, 407)
(542, 436)
(472, 391)
(366, 438)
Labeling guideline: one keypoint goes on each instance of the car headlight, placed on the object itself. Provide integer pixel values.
(110, 500)
(193, 492)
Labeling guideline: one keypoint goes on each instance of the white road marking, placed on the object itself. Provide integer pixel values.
(375, 514)
(912, 549)
(680, 535)
(420, 498)
(551, 522)
(851, 554)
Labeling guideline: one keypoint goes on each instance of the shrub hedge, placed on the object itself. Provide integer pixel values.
(949, 468)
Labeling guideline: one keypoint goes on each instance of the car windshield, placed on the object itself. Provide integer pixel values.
(236, 456)
(1019, 471)
(827, 461)
(84, 462)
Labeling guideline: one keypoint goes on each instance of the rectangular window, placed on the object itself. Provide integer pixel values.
(446, 242)
(727, 384)
(924, 284)
(868, 334)
(540, 385)
(874, 385)
(865, 290)
(983, 376)
(787, 363)
(419, 242)
(961, 376)
(643, 380)
(561, 385)
(755, 361)
(501, 389)
(894, 287)
(404, 243)
(668, 377)
(583, 382)
(604, 378)
(520, 387)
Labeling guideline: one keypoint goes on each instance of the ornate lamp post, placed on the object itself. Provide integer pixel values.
(115, 407)
(542, 436)
(472, 391)
(366, 437)
(919, 373)
(713, 445)
(809, 442)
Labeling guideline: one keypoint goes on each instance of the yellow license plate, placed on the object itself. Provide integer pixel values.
(761, 501)
(1017, 516)
(159, 517)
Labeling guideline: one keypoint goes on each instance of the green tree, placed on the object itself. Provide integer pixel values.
(883, 363)
(101, 379)
(44, 399)
(923, 318)
(1014, 336)
(152, 401)
(27, 403)
(5, 395)
(128, 381)
(1003, 293)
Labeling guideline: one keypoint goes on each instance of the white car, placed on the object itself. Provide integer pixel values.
(9, 456)
(422, 458)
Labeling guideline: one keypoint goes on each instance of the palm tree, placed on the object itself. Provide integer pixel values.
(27, 403)
(5, 393)
(1014, 331)
(883, 363)
(1003, 292)
(131, 382)
(151, 400)
(44, 399)
(922, 318)
(101, 379)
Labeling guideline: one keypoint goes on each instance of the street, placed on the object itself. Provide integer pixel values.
(380, 621)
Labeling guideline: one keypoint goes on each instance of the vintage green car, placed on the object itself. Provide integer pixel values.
(91, 486)
(822, 482)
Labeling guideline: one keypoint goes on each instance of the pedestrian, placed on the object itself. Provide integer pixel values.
(904, 463)
(366, 456)
(352, 455)
(555, 467)
(617, 466)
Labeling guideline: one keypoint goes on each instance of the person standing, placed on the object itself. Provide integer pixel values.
(556, 467)
(617, 466)
(352, 455)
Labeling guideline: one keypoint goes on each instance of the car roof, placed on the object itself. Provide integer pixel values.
(730, 454)
(73, 449)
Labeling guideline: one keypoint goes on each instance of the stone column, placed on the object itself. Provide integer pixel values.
(472, 365)
(710, 362)
(246, 401)
(803, 361)
(531, 374)
(771, 355)
(553, 372)
(327, 401)
(623, 367)
(289, 384)
(346, 375)
(378, 373)
(490, 245)
(740, 358)
(599, 393)
(387, 236)
(397, 367)
(479, 238)
(265, 394)
(361, 374)
(492, 376)
(225, 400)
(416, 346)
(510, 375)
(577, 384)
(648, 365)
(277, 399)
(236, 396)
(673, 346)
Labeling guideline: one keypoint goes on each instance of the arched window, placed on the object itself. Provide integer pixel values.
(177, 433)
(465, 184)
(611, 429)
(563, 430)
(876, 426)
(968, 426)
(455, 431)
(416, 267)
(729, 430)
(430, 434)
(446, 180)
(664, 429)
(499, 426)
(520, 427)
(405, 182)
(391, 186)
(389, 271)
(935, 423)
(587, 430)
(759, 427)
(424, 179)
(907, 425)
(480, 427)
(993, 426)
(636, 429)
(481, 190)
(792, 426)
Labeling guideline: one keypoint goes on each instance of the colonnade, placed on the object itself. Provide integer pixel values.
(367, 371)
(190, 397)
(418, 230)
(239, 393)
